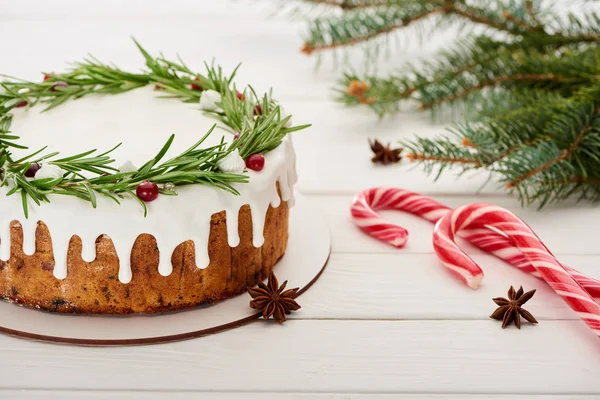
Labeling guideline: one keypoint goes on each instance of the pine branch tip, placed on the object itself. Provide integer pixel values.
(307, 48)
(358, 89)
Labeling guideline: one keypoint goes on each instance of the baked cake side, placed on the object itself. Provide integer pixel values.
(94, 287)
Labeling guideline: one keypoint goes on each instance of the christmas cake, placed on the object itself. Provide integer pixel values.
(130, 230)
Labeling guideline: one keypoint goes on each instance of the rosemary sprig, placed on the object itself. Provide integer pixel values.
(90, 173)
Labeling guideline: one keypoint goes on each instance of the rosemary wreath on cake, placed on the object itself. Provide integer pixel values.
(258, 124)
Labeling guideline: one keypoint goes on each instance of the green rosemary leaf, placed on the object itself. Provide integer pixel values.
(147, 56)
(109, 195)
(27, 157)
(24, 203)
(12, 144)
(148, 166)
(75, 156)
(296, 128)
(140, 202)
(25, 186)
(91, 193)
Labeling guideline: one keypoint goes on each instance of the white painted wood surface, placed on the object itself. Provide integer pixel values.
(381, 323)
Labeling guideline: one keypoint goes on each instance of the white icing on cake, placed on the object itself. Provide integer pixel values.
(49, 171)
(209, 100)
(171, 219)
(232, 163)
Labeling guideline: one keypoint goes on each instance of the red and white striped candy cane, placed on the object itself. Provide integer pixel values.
(366, 203)
(481, 215)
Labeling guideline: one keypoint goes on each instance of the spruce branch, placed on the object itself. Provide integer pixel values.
(555, 157)
(363, 22)
(503, 79)
(531, 12)
(526, 89)
(329, 33)
(351, 4)
(484, 64)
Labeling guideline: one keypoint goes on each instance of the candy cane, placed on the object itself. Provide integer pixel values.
(364, 213)
(481, 215)
(365, 203)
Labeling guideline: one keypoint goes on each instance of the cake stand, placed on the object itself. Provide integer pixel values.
(304, 262)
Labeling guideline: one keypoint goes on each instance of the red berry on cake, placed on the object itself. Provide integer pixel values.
(240, 96)
(258, 110)
(33, 168)
(57, 84)
(196, 86)
(255, 162)
(147, 191)
(22, 104)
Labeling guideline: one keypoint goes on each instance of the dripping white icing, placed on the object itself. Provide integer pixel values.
(171, 219)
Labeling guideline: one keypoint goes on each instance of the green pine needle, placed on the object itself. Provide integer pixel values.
(527, 83)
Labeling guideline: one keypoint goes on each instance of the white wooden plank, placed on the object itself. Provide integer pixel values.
(229, 31)
(196, 38)
(62, 9)
(126, 395)
(340, 359)
(327, 356)
(334, 154)
(564, 229)
(416, 286)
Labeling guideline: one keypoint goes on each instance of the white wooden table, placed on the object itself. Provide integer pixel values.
(381, 323)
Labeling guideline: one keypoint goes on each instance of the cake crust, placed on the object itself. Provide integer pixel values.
(94, 288)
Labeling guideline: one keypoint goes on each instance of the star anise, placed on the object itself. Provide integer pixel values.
(511, 310)
(384, 154)
(272, 300)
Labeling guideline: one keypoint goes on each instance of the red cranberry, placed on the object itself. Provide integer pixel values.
(147, 191)
(258, 110)
(46, 77)
(240, 96)
(255, 162)
(196, 86)
(31, 171)
(22, 104)
(237, 136)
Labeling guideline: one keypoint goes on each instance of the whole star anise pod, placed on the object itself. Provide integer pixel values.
(272, 300)
(511, 310)
(384, 154)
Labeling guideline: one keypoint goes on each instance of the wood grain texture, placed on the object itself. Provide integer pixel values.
(329, 356)
(381, 323)
(129, 395)
(417, 287)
